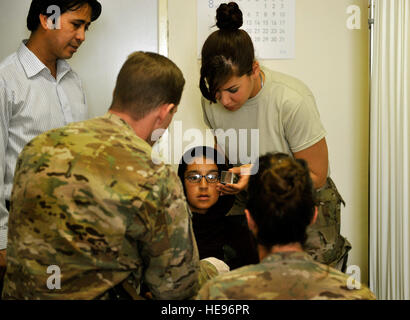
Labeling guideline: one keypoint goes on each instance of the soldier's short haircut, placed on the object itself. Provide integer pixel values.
(38, 7)
(146, 81)
(281, 199)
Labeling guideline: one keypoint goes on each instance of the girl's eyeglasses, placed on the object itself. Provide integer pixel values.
(196, 177)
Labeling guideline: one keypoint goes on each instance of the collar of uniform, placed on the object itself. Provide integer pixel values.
(117, 119)
(33, 66)
(287, 255)
(121, 122)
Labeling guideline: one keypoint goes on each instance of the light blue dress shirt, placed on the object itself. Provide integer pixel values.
(32, 101)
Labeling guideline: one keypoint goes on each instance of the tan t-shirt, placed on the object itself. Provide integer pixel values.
(282, 117)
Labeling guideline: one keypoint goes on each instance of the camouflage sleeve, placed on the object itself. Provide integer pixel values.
(169, 252)
(325, 243)
(211, 290)
(203, 294)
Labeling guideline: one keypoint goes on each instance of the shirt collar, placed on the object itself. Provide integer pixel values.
(62, 68)
(121, 122)
(117, 120)
(129, 131)
(32, 64)
(287, 255)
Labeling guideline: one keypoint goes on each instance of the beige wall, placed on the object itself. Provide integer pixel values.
(333, 61)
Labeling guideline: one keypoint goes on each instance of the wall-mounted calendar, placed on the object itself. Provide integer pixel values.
(270, 23)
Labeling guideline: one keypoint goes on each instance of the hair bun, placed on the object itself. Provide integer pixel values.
(229, 16)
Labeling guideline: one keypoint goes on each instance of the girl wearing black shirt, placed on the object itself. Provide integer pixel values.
(217, 235)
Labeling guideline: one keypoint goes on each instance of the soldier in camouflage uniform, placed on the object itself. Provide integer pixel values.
(92, 199)
(280, 206)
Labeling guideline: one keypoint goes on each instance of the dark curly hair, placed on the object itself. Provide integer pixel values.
(226, 52)
(281, 199)
(38, 7)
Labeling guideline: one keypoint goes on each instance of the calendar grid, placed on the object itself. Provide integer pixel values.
(270, 24)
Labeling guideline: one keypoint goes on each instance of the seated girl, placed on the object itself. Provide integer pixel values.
(224, 237)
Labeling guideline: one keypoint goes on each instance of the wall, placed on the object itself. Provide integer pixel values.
(333, 61)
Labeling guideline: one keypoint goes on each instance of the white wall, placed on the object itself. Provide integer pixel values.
(124, 26)
(333, 61)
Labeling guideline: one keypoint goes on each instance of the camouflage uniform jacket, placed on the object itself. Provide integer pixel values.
(89, 199)
(283, 276)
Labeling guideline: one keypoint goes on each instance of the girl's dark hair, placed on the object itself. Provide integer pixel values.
(226, 52)
(281, 199)
(38, 7)
(224, 203)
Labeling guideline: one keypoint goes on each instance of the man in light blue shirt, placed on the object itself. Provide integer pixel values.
(38, 89)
